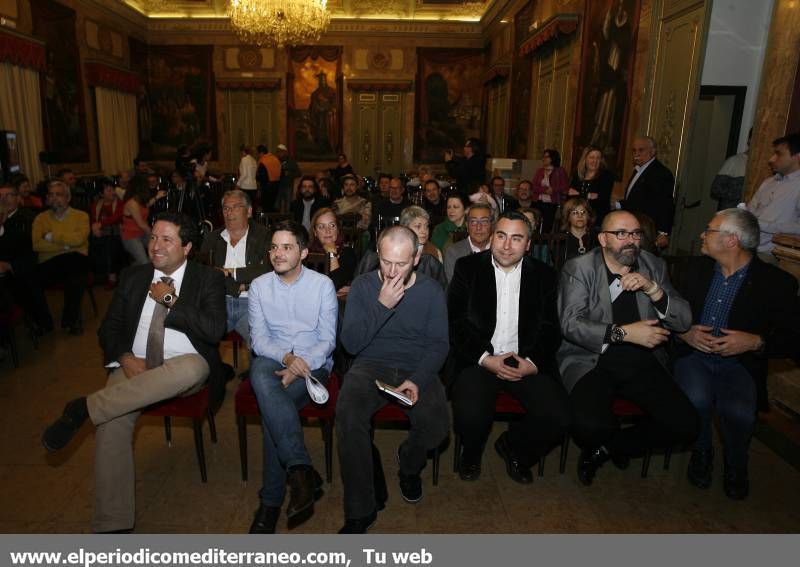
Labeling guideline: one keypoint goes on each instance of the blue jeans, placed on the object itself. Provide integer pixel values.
(283, 434)
(712, 381)
(236, 308)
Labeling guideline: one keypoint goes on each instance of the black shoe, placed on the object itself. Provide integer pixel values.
(701, 465)
(266, 520)
(359, 525)
(514, 467)
(59, 433)
(469, 471)
(736, 483)
(300, 517)
(302, 488)
(410, 484)
(588, 463)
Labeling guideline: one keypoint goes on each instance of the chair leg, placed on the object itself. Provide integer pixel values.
(646, 462)
(456, 452)
(92, 299)
(541, 465)
(667, 457)
(562, 465)
(168, 430)
(241, 425)
(436, 466)
(212, 425)
(198, 445)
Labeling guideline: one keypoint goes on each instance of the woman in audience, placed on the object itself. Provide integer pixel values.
(418, 219)
(550, 182)
(577, 220)
(456, 214)
(135, 230)
(29, 199)
(106, 247)
(593, 181)
(482, 194)
(328, 239)
(537, 250)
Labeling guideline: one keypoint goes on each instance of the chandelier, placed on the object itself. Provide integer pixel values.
(279, 22)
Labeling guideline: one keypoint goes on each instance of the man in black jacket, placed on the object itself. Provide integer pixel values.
(650, 189)
(17, 258)
(744, 311)
(469, 170)
(308, 202)
(504, 334)
(159, 340)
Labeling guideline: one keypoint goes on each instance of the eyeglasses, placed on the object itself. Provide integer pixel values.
(482, 222)
(329, 226)
(625, 235)
(232, 208)
(578, 212)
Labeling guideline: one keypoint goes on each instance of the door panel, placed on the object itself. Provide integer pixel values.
(378, 133)
(251, 120)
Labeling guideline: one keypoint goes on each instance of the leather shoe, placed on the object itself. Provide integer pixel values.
(515, 469)
(359, 525)
(62, 430)
(266, 520)
(701, 465)
(588, 463)
(736, 483)
(302, 488)
(300, 517)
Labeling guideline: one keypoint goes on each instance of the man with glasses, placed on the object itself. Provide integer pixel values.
(617, 310)
(480, 219)
(238, 250)
(745, 311)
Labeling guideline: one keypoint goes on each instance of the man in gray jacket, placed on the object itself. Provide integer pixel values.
(617, 309)
(480, 220)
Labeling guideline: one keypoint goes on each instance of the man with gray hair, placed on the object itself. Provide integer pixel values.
(395, 324)
(480, 219)
(744, 311)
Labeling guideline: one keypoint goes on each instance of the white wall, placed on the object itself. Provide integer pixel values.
(737, 41)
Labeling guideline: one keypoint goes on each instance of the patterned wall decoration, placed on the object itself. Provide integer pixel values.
(609, 46)
(522, 76)
(314, 95)
(63, 110)
(449, 98)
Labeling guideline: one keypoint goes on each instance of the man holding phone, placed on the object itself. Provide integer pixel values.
(504, 336)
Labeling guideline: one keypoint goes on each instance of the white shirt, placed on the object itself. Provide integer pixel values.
(307, 213)
(506, 329)
(474, 248)
(639, 170)
(176, 343)
(247, 173)
(776, 204)
(235, 256)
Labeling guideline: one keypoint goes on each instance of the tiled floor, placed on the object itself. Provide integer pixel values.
(51, 494)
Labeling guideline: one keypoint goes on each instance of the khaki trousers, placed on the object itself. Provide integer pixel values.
(114, 410)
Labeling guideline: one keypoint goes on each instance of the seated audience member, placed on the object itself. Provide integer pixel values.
(479, 233)
(328, 188)
(160, 339)
(524, 194)
(537, 250)
(106, 219)
(329, 240)
(481, 194)
(308, 202)
(504, 201)
(776, 204)
(29, 200)
(617, 309)
(61, 237)
(239, 251)
(17, 258)
(395, 325)
(550, 183)
(593, 181)
(504, 335)
(123, 180)
(383, 190)
(577, 220)
(293, 325)
(389, 209)
(135, 230)
(432, 200)
(727, 186)
(184, 197)
(352, 203)
(456, 215)
(417, 219)
(342, 169)
(745, 311)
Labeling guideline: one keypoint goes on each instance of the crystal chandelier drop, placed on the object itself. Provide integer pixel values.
(279, 22)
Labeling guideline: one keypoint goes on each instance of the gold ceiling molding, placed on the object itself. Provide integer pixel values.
(381, 8)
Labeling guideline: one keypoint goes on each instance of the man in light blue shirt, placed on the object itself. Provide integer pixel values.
(292, 314)
(776, 204)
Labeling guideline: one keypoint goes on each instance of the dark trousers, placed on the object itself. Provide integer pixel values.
(542, 426)
(69, 269)
(106, 254)
(670, 418)
(359, 399)
(712, 381)
(269, 193)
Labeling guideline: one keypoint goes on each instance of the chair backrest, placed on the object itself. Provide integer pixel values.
(319, 262)
(271, 219)
(349, 227)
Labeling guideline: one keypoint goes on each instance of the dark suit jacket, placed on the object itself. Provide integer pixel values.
(199, 312)
(472, 311)
(469, 172)
(16, 246)
(215, 249)
(766, 305)
(296, 208)
(652, 195)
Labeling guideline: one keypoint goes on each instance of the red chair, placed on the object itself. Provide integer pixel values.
(8, 321)
(237, 341)
(391, 413)
(194, 407)
(246, 404)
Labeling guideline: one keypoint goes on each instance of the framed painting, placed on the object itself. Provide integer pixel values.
(609, 44)
(449, 100)
(314, 102)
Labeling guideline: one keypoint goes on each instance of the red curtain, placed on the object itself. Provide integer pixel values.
(21, 52)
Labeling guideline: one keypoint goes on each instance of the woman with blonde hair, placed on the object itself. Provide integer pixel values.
(593, 181)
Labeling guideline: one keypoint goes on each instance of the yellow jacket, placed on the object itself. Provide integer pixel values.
(70, 234)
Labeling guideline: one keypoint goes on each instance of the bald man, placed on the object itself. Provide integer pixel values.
(618, 309)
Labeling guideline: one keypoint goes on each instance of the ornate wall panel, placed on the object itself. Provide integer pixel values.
(552, 72)
(377, 135)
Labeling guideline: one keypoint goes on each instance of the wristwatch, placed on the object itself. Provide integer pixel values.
(168, 299)
(618, 334)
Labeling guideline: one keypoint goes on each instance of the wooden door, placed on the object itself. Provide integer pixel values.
(377, 133)
(251, 120)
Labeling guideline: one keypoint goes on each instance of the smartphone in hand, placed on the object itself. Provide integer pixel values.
(511, 361)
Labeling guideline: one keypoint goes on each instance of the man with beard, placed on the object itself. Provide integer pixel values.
(308, 203)
(352, 203)
(617, 309)
(396, 326)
